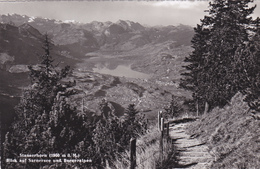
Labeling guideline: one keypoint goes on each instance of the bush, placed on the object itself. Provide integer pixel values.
(112, 135)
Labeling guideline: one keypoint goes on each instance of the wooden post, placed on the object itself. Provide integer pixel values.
(132, 153)
(159, 120)
(161, 140)
(82, 105)
(206, 108)
(167, 129)
(162, 125)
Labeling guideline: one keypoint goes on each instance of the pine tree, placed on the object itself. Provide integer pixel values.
(173, 110)
(195, 77)
(131, 112)
(134, 124)
(211, 75)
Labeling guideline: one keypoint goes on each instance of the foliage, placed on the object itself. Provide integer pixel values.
(214, 74)
(253, 95)
(112, 135)
(249, 61)
(133, 125)
(173, 109)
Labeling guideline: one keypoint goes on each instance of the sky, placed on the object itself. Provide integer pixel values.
(152, 13)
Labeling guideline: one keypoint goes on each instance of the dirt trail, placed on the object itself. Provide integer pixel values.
(192, 153)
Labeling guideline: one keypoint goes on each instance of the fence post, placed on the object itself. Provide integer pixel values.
(206, 107)
(132, 153)
(161, 139)
(167, 129)
(82, 108)
(159, 120)
(162, 125)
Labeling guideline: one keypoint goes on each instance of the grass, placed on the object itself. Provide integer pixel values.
(232, 134)
(148, 153)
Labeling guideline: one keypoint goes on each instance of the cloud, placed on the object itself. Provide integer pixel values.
(180, 4)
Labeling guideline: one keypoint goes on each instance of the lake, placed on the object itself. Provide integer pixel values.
(121, 71)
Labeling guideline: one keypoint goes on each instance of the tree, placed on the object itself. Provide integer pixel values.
(131, 112)
(195, 79)
(106, 138)
(211, 74)
(133, 124)
(174, 109)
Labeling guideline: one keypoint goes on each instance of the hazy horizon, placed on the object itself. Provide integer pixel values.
(150, 13)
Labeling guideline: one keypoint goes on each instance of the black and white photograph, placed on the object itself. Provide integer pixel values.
(113, 84)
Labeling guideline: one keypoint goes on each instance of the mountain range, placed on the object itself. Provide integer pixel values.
(21, 39)
(81, 39)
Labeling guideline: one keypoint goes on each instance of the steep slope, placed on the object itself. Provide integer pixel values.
(23, 44)
(232, 135)
(15, 42)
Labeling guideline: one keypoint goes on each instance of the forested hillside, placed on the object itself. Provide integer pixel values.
(223, 74)
(225, 59)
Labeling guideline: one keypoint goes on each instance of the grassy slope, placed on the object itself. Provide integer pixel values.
(148, 153)
(232, 134)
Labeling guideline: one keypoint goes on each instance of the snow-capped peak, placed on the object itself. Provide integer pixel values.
(31, 19)
(69, 21)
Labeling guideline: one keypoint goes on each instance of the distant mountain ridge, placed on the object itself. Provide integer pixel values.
(83, 38)
(24, 45)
